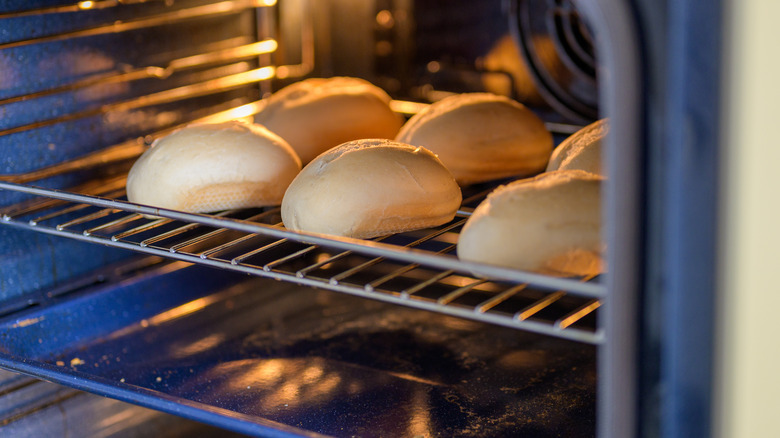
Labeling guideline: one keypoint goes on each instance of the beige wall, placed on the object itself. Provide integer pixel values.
(748, 368)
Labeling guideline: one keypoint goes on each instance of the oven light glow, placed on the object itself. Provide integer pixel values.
(267, 46)
(407, 107)
(264, 73)
(385, 19)
(183, 310)
(269, 2)
(312, 374)
(86, 4)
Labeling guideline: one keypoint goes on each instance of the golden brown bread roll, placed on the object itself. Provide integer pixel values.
(581, 150)
(212, 167)
(481, 137)
(369, 188)
(549, 224)
(316, 114)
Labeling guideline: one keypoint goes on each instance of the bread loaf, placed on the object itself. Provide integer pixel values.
(549, 224)
(369, 188)
(581, 150)
(316, 114)
(212, 167)
(481, 137)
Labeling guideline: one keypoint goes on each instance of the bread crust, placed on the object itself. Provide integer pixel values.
(481, 137)
(212, 167)
(549, 224)
(581, 150)
(317, 114)
(371, 187)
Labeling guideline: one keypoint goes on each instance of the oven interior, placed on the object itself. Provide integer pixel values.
(230, 319)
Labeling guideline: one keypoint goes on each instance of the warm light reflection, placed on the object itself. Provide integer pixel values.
(266, 46)
(269, 2)
(311, 374)
(407, 107)
(264, 73)
(579, 314)
(321, 258)
(523, 359)
(288, 392)
(86, 5)
(200, 345)
(248, 110)
(117, 418)
(461, 281)
(183, 310)
(325, 387)
(449, 237)
(269, 371)
(385, 19)
(420, 418)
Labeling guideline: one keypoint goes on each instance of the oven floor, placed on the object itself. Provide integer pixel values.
(273, 359)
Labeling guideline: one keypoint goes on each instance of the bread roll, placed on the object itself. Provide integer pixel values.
(582, 150)
(549, 224)
(315, 114)
(481, 137)
(205, 168)
(369, 188)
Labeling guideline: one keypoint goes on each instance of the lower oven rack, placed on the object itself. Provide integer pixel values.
(416, 269)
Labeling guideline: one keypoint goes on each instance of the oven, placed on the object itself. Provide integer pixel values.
(234, 324)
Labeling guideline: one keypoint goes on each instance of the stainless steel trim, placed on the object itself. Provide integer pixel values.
(620, 99)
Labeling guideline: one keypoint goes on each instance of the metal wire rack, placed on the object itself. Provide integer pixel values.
(418, 269)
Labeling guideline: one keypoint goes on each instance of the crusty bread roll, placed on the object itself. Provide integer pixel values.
(581, 150)
(316, 114)
(371, 187)
(212, 167)
(481, 136)
(549, 224)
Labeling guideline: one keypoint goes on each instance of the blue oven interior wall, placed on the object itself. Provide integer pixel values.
(29, 63)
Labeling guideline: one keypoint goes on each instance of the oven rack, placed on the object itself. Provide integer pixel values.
(416, 269)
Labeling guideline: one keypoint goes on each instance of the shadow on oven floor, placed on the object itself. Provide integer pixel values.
(266, 358)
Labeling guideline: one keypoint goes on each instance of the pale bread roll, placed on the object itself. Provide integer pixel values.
(549, 224)
(481, 136)
(316, 114)
(213, 167)
(581, 150)
(369, 188)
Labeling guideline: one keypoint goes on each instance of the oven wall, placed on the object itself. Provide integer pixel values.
(40, 50)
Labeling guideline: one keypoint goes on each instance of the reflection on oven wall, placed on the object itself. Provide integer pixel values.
(426, 50)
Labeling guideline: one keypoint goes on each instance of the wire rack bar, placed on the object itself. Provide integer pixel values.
(559, 330)
(232, 54)
(165, 18)
(376, 249)
(81, 6)
(190, 91)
